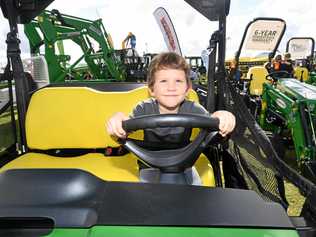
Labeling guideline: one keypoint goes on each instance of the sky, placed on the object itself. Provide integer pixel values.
(193, 30)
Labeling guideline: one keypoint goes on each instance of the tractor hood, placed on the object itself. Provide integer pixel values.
(24, 10)
(211, 9)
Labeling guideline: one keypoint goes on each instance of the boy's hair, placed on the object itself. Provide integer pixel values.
(167, 60)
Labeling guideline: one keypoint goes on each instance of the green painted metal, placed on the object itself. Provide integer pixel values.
(294, 101)
(124, 231)
(52, 28)
(312, 78)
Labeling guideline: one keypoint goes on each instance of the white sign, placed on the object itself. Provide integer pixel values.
(264, 35)
(300, 48)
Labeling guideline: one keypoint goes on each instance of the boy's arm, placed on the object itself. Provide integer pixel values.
(227, 121)
(114, 125)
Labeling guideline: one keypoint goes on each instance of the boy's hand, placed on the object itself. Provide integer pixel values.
(227, 121)
(114, 125)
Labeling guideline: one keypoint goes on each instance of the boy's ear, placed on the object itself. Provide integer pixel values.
(151, 92)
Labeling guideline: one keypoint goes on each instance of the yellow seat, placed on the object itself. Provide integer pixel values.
(116, 168)
(74, 118)
(258, 75)
(301, 73)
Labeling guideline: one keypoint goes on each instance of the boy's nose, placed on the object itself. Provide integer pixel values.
(171, 85)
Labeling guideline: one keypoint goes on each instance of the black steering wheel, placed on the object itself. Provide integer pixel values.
(174, 160)
(276, 75)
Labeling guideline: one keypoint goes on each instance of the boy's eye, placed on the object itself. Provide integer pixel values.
(179, 81)
(163, 81)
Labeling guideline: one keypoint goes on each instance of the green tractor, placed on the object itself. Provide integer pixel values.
(47, 35)
(284, 106)
(288, 109)
(68, 177)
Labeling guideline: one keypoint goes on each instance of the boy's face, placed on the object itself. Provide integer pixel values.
(170, 89)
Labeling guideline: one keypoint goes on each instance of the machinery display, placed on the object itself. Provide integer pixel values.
(284, 105)
(198, 70)
(69, 177)
(288, 109)
(47, 35)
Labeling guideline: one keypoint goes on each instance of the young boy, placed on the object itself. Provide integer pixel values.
(169, 84)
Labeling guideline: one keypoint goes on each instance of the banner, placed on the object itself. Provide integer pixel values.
(264, 35)
(167, 29)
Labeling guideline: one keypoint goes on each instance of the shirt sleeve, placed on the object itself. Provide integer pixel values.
(137, 111)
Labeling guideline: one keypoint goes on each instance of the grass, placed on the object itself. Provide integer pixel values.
(295, 199)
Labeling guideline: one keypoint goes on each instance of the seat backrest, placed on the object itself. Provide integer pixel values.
(75, 117)
(258, 75)
(301, 73)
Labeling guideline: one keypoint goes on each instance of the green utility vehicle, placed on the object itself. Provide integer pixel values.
(69, 177)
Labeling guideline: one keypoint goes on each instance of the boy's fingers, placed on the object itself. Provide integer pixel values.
(227, 124)
(109, 128)
(119, 131)
(114, 125)
(112, 128)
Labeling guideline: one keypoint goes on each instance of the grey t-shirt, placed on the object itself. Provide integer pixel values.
(170, 135)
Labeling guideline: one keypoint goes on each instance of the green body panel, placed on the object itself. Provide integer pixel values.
(55, 29)
(312, 78)
(122, 231)
(288, 98)
(296, 89)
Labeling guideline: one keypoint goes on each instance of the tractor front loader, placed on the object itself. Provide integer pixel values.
(51, 29)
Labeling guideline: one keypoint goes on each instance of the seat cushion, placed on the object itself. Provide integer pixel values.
(116, 168)
(110, 168)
